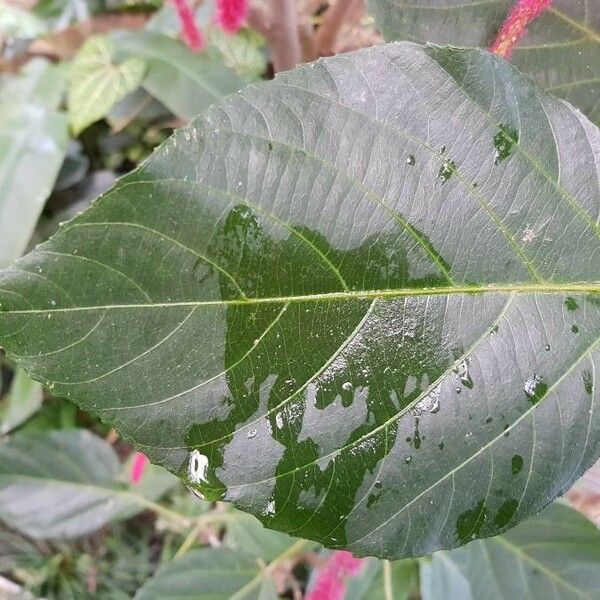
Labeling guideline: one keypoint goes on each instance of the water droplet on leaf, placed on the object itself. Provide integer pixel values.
(503, 143)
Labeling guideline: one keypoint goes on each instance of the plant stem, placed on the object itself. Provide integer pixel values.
(289, 553)
(334, 20)
(284, 37)
(163, 511)
(388, 588)
(201, 523)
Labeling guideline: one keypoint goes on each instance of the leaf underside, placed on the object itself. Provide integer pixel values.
(388, 345)
(561, 49)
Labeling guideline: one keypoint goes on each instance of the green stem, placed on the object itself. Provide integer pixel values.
(387, 580)
(290, 552)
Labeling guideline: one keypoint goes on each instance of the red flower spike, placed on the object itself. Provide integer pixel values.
(140, 462)
(515, 25)
(331, 579)
(191, 34)
(231, 14)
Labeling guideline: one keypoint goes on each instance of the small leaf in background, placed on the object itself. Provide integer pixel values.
(33, 143)
(243, 52)
(65, 484)
(555, 554)
(246, 533)
(16, 22)
(96, 83)
(22, 401)
(183, 81)
(205, 574)
(385, 580)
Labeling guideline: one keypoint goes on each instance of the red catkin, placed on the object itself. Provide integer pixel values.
(331, 579)
(138, 466)
(191, 34)
(231, 14)
(515, 25)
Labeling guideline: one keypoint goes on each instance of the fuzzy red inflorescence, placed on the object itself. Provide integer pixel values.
(515, 25)
(138, 466)
(191, 34)
(231, 14)
(331, 579)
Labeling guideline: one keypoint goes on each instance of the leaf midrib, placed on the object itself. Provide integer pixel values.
(509, 288)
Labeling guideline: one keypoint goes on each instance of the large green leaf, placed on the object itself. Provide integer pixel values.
(184, 81)
(561, 49)
(65, 484)
(365, 294)
(33, 142)
(553, 555)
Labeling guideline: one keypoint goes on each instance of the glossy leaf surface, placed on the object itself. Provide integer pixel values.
(364, 294)
(65, 484)
(553, 555)
(561, 50)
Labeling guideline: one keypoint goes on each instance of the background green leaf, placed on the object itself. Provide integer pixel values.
(33, 142)
(384, 580)
(22, 401)
(553, 555)
(185, 82)
(65, 484)
(561, 50)
(205, 574)
(97, 83)
(388, 346)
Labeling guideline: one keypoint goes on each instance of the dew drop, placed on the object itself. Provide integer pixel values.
(251, 434)
(535, 388)
(410, 160)
(347, 386)
(446, 170)
(462, 372)
(279, 420)
(503, 143)
(588, 382)
(408, 459)
(575, 329)
(197, 467)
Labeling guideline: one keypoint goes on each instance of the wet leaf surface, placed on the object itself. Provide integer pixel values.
(351, 348)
